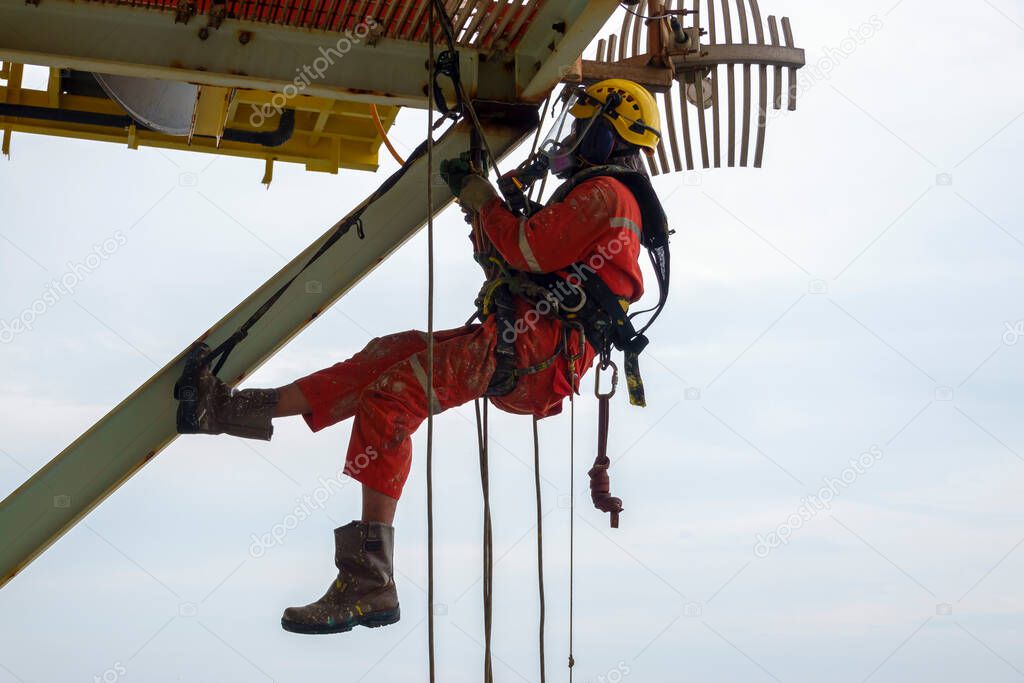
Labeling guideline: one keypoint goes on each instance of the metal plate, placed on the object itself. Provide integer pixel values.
(163, 106)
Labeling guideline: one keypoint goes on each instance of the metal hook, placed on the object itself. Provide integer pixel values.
(604, 365)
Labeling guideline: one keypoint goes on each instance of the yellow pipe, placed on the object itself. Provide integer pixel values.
(384, 135)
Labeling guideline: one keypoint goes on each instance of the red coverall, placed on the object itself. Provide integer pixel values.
(384, 385)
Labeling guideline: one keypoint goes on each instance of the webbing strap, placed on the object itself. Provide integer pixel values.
(540, 548)
(224, 349)
(600, 483)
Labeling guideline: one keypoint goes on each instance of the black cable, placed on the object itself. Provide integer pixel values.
(222, 351)
(449, 31)
(446, 24)
(431, 66)
(226, 347)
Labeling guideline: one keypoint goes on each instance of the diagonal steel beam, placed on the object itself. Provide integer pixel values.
(556, 38)
(130, 435)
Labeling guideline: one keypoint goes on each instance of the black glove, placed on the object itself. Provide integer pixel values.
(454, 173)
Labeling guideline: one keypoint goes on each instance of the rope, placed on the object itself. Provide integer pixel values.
(224, 349)
(536, 141)
(437, 8)
(449, 32)
(430, 358)
(482, 425)
(572, 511)
(540, 544)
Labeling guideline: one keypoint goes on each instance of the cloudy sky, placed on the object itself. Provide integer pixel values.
(858, 300)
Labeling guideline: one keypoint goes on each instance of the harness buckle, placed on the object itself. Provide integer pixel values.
(581, 296)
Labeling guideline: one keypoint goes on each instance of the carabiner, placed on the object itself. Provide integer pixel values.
(597, 379)
(572, 355)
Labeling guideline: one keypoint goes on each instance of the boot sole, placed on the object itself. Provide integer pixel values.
(186, 391)
(372, 620)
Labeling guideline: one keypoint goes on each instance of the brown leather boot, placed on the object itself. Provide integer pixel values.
(206, 405)
(364, 594)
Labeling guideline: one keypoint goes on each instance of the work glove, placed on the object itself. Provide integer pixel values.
(454, 173)
(475, 193)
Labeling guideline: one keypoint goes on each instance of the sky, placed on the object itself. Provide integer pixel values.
(825, 483)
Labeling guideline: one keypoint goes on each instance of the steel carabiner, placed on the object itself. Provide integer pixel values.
(604, 365)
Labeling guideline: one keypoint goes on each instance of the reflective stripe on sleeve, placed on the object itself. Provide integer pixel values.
(619, 222)
(527, 251)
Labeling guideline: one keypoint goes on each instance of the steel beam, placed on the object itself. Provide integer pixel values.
(556, 38)
(133, 41)
(130, 435)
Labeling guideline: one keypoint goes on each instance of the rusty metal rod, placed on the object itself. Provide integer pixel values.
(787, 30)
(773, 28)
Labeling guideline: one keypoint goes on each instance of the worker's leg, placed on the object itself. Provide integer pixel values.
(329, 396)
(333, 388)
(378, 507)
(390, 409)
(209, 406)
(387, 412)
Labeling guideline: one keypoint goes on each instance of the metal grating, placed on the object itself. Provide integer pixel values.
(741, 57)
(489, 25)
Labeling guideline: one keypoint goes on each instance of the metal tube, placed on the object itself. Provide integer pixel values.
(730, 85)
(702, 126)
(684, 105)
(637, 25)
(747, 92)
(627, 20)
(758, 26)
(787, 30)
(762, 115)
(773, 28)
(670, 125)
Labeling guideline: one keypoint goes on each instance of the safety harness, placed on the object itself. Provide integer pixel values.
(582, 301)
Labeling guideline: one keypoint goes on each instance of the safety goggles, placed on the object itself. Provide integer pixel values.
(563, 139)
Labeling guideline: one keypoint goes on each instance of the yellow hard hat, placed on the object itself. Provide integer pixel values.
(637, 119)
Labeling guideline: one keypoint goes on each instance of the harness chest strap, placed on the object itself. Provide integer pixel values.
(598, 312)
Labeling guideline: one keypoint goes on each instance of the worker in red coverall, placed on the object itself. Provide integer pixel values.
(384, 386)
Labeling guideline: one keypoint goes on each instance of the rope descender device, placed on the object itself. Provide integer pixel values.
(600, 483)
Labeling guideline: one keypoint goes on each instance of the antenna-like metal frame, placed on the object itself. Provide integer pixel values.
(690, 54)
